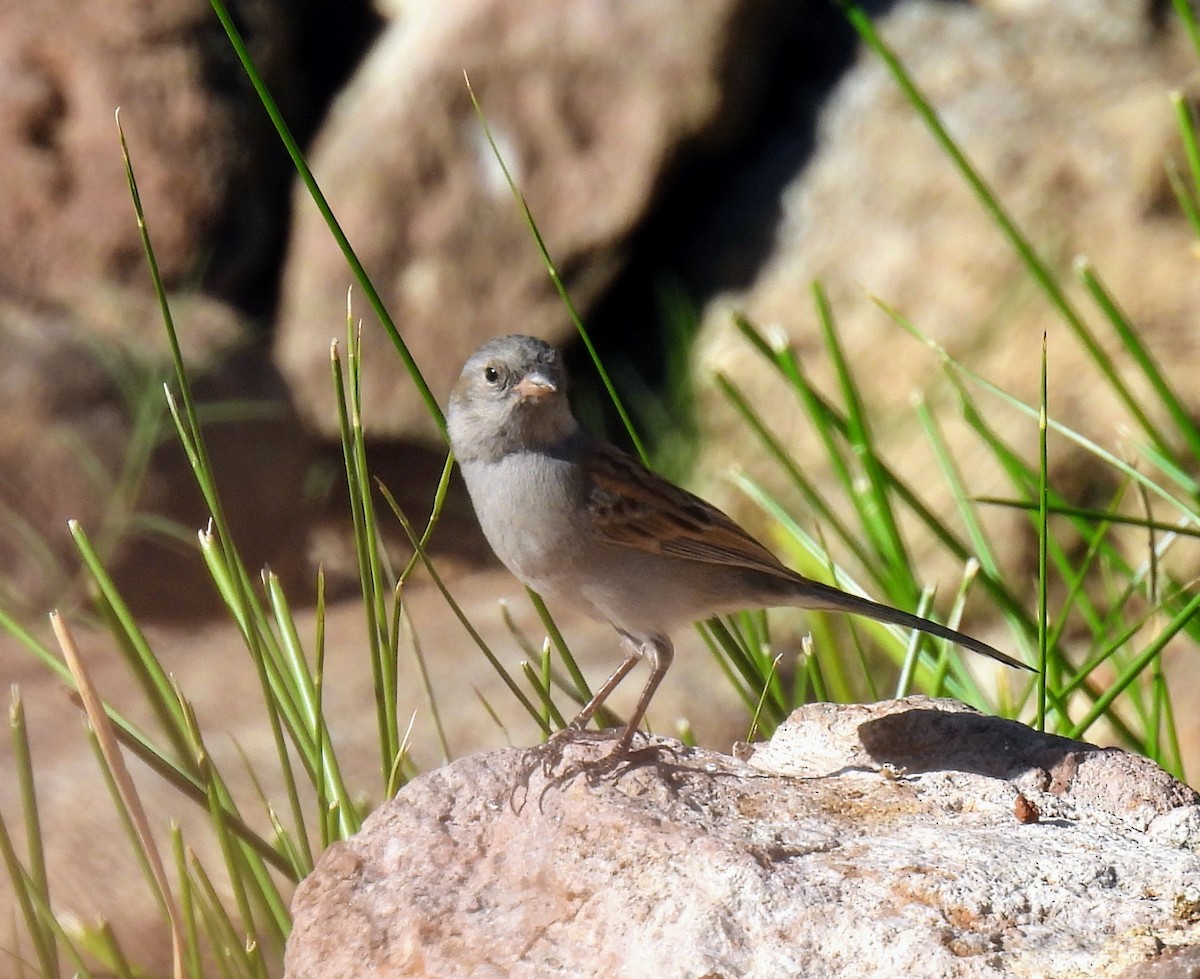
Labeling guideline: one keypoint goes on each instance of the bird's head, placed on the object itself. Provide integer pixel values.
(511, 396)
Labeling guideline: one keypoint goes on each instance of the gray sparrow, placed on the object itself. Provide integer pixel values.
(581, 522)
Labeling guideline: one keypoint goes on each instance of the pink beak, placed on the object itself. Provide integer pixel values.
(535, 386)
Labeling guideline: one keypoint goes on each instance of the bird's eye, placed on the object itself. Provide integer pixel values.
(491, 375)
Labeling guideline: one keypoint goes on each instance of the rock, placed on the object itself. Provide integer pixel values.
(85, 435)
(64, 430)
(893, 849)
(590, 138)
(1064, 110)
(1112, 20)
(201, 145)
(84, 342)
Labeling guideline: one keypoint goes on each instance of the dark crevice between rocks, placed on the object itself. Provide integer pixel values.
(720, 201)
(324, 45)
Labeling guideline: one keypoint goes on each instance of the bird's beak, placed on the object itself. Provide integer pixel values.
(535, 386)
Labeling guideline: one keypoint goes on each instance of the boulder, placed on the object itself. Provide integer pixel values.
(914, 837)
(1064, 111)
(209, 169)
(593, 106)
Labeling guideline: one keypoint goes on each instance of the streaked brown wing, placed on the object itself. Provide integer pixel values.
(632, 506)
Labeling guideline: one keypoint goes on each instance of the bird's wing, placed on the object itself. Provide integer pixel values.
(632, 506)
(629, 505)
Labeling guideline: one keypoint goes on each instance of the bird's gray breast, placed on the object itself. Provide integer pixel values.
(527, 504)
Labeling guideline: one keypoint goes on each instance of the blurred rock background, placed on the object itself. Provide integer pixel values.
(728, 152)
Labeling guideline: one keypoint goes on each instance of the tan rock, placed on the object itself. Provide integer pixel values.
(903, 856)
(85, 435)
(1067, 117)
(591, 104)
(196, 134)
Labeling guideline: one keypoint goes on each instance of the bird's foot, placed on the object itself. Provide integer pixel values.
(595, 764)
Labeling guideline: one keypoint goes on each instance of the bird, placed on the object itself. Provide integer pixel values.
(583, 523)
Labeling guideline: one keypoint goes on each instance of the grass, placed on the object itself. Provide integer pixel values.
(1120, 610)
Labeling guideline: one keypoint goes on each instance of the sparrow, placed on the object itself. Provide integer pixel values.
(583, 523)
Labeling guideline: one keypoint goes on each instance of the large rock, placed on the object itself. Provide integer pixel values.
(200, 143)
(1064, 110)
(593, 106)
(64, 433)
(85, 435)
(84, 343)
(907, 838)
(92, 871)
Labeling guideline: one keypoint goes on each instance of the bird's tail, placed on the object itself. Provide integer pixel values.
(816, 595)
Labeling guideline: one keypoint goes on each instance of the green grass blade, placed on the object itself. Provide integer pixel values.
(762, 700)
(1132, 343)
(23, 762)
(1186, 194)
(300, 680)
(30, 887)
(551, 718)
(582, 692)
(1043, 535)
(187, 905)
(555, 278)
(1184, 197)
(875, 508)
(335, 228)
(370, 568)
(1089, 515)
(912, 654)
(1188, 16)
(105, 948)
(491, 712)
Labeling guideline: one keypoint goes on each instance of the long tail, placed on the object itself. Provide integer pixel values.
(815, 595)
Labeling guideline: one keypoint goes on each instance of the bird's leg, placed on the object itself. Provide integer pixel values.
(601, 695)
(552, 750)
(659, 651)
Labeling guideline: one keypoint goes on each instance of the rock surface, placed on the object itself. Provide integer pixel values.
(906, 838)
(1063, 111)
(589, 138)
(205, 158)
